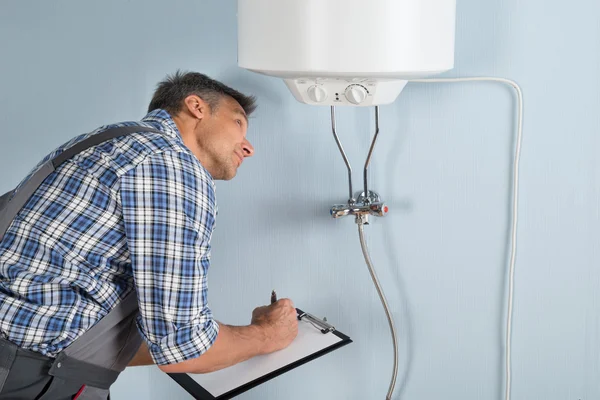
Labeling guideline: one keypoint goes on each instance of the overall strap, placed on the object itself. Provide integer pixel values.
(10, 207)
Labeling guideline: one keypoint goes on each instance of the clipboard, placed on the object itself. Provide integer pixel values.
(315, 338)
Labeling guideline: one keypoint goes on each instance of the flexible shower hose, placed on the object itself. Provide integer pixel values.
(365, 251)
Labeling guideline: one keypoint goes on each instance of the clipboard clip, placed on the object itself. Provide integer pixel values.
(320, 324)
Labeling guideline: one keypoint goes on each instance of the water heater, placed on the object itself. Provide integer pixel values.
(346, 52)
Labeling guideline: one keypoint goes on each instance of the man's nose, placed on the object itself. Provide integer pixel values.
(247, 148)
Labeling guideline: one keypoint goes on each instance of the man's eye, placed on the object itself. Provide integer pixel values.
(239, 122)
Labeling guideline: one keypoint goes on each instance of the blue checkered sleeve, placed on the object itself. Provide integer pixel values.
(169, 210)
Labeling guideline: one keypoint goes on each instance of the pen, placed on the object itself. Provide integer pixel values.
(273, 297)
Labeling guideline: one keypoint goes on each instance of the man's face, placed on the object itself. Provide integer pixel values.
(223, 138)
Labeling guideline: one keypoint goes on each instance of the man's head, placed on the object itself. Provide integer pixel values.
(211, 117)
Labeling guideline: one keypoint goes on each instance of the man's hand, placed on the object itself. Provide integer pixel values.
(273, 328)
(278, 322)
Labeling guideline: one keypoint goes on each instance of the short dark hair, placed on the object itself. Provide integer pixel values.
(171, 93)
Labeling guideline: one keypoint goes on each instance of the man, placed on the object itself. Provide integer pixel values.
(130, 218)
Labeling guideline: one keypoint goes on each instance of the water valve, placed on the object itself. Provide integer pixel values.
(371, 205)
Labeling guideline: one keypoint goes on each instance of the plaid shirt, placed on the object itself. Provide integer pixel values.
(133, 212)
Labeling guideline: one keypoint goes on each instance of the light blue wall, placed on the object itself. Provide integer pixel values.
(442, 164)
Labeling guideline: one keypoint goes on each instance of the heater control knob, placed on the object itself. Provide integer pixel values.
(356, 94)
(317, 93)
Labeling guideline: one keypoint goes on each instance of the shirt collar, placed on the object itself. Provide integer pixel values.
(163, 121)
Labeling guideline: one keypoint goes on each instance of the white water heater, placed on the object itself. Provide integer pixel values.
(346, 52)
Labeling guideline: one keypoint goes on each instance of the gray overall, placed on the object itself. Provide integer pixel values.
(85, 369)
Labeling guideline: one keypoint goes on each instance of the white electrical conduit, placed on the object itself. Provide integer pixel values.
(515, 198)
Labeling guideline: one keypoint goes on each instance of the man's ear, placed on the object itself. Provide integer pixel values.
(196, 107)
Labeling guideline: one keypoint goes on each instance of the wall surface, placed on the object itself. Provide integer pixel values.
(443, 165)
